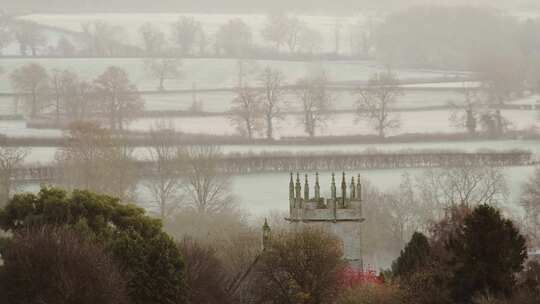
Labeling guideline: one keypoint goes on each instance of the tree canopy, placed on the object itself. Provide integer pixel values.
(488, 251)
(149, 257)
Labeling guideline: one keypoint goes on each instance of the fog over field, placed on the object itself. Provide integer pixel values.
(383, 145)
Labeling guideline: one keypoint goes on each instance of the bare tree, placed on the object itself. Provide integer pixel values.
(530, 201)
(205, 273)
(29, 36)
(185, 32)
(202, 41)
(120, 100)
(310, 40)
(163, 69)
(153, 39)
(405, 213)
(82, 107)
(208, 190)
(276, 30)
(31, 84)
(316, 102)
(234, 38)
(272, 81)
(11, 158)
(246, 111)
(64, 86)
(376, 100)
(228, 231)
(464, 185)
(65, 48)
(466, 116)
(294, 29)
(93, 159)
(394, 214)
(102, 38)
(167, 161)
(6, 34)
(299, 267)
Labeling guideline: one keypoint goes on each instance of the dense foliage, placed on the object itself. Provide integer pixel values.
(470, 253)
(487, 253)
(150, 259)
(299, 267)
(413, 257)
(54, 265)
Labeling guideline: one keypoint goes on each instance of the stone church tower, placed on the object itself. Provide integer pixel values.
(341, 214)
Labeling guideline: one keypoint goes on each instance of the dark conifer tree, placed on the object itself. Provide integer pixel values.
(487, 252)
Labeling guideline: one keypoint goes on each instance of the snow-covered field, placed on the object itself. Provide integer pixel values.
(221, 101)
(436, 121)
(340, 124)
(219, 73)
(326, 25)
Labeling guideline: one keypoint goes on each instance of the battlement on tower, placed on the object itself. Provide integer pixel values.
(342, 206)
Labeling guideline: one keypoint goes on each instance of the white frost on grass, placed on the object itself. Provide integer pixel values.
(436, 121)
(212, 73)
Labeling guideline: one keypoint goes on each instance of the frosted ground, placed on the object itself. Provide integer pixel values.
(436, 121)
(326, 25)
(219, 102)
(222, 101)
(208, 73)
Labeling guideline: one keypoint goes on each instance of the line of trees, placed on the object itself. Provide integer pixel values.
(257, 108)
(98, 159)
(262, 98)
(64, 96)
(186, 37)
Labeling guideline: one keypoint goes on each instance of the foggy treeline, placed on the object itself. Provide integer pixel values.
(238, 5)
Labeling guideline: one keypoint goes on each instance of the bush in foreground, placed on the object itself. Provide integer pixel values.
(54, 265)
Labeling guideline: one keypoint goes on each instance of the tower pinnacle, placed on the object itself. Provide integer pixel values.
(343, 190)
(306, 189)
(333, 187)
(317, 187)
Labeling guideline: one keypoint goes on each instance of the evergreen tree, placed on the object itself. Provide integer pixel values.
(487, 252)
(149, 258)
(413, 257)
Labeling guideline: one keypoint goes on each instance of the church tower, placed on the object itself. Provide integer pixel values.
(340, 214)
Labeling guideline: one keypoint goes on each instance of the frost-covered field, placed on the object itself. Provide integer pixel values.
(340, 124)
(219, 73)
(221, 101)
(326, 25)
